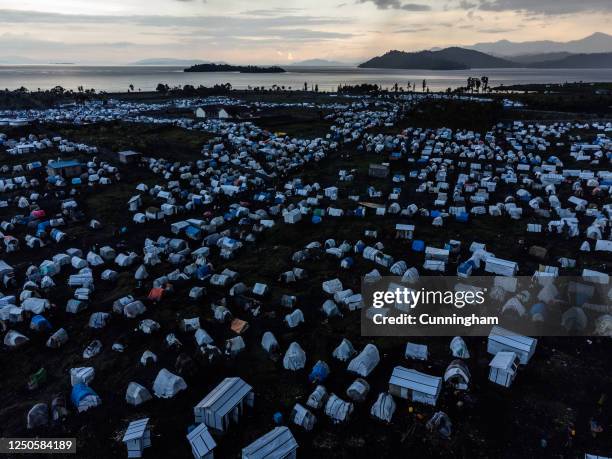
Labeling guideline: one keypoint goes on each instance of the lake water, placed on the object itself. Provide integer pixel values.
(146, 78)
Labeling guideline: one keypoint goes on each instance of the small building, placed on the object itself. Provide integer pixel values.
(403, 231)
(337, 409)
(211, 112)
(134, 203)
(416, 351)
(137, 437)
(224, 404)
(279, 443)
(154, 213)
(501, 339)
(129, 156)
(64, 168)
(202, 443)
(501, 267)
(503, 368)
(414, 385)
(293, 216)
(7, 272)
(378, 170)
(457, 375)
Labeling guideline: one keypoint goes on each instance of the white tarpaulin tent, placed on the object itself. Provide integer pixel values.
(167, 384)
(366, 361)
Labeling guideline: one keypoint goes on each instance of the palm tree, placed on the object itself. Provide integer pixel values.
(485, 83)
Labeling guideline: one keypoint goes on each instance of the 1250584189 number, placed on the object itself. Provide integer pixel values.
(38, 445)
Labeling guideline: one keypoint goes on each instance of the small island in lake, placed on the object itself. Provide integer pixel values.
(234, 68)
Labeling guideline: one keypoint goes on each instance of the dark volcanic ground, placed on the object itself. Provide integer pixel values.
(567, 382)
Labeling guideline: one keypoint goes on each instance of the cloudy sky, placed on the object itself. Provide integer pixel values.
(279, 31)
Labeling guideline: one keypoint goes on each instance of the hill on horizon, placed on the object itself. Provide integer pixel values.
(320, 63)
(528, 59)
(454, 58)
(578, 61)
(597, 42)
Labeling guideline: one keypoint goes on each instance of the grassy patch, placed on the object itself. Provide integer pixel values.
(158, 141)
(455, 114)
(303, 123)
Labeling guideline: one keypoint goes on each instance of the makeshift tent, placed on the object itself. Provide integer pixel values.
(269, 342)
(224, 404)
(457, 375)
(459, 348)
(137, 437)
(501, 339)
(302, 417)
(365, 362)
(503, 368)
(344, 351)
(295, 357)
(414, 385)
(83, 397)
(136, 394)
(319, 372)
(441, 423)
(416, 351)
(294, 318)
(317, 398)
(201, 442)
(167, 384)
(278, 443)
(38, 416)
(81, 375)
(358, 390)
(14, 339)
(337, 409)
(384, 407)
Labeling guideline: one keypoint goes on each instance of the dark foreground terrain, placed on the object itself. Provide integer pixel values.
(545, 413)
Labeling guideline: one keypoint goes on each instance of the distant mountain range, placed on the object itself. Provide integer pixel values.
(578, 61)
(456, 58)
(320, 63)
(528, 59)
(596, 43)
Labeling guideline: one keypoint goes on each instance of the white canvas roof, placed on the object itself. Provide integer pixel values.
(511, 339)
(201, 441)
(366, 361)
(416, 381)
(223, 398)
(277, 443)
(503, 360)
(136, 429)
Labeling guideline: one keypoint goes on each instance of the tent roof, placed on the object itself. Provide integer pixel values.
(503, 360)
(223, 398)
(415, 380)
(136, 429)
(201, 440)
(279, 442)
(509, 338)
